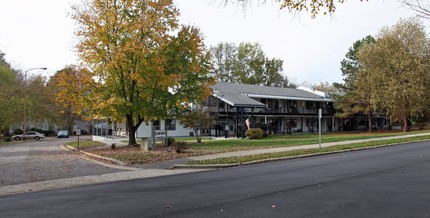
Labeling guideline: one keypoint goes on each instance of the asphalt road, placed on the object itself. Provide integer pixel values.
(33, 161)
(385, 182)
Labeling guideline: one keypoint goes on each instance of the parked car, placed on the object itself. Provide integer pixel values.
(63, 134)
(29, 135)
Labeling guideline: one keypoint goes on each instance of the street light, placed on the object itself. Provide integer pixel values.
(25, 96)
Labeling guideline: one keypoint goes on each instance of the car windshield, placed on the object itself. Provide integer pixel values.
(62, 132)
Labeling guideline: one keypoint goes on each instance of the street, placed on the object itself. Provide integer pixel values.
(384, 182)
(33, 161)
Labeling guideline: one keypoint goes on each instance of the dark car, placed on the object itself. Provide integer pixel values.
(63, 134)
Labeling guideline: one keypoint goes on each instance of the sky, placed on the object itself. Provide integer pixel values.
(39, 33)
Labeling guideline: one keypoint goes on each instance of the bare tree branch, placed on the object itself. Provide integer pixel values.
(422, 7)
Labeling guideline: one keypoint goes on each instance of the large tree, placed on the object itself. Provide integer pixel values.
(143, 70)
(246, 64)
(354, 93)
(67, 87)
(314, 7)
(398, 68)
(11, 97)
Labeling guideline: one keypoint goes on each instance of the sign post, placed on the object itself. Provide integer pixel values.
(78, 133)
(319, 125)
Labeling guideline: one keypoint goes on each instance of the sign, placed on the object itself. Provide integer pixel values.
(160, 133)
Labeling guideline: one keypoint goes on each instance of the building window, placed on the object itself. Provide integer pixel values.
(221, 104)
(310, 105)
(170, 124)
(156, 124)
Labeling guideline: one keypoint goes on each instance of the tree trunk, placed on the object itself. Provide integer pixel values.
(405, 121)
(131, 130)
(388, 124)
(369, 116)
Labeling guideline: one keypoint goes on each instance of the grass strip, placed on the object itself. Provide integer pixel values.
(274, 141)
(86, 144)
(300, 152)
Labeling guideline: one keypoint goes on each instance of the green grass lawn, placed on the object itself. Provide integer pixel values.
(176, 139)
(287, 140)
(86, 144)
(229, 160)
(6, 143)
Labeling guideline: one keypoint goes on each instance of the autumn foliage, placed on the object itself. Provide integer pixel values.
(143, 71)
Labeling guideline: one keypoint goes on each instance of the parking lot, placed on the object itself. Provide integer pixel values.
(32, 161)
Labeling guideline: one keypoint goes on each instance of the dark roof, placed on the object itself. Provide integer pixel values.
(240, 94)
(237, 100)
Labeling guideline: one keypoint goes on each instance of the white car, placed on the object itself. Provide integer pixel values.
(29, 135)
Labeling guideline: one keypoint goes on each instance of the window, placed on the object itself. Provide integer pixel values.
(170, 124)
(156, 124)
(292, 123)
(221, 104)
(310, 105)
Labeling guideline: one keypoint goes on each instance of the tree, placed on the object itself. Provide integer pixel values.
(422, 7)
(197, 119)
(325, 87)
(223, 57)
(143, 71)
(354, 94)
(312, 6)
(246, 64)
(397, 65)
(67, 87)
(11, 97)
(40, 100)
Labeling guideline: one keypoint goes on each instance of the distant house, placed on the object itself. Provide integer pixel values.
(275, 110)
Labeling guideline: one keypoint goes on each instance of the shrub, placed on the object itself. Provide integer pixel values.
(265, 134)
(254, 133)
(6, 139)
(113, 146)
(170, 141)
(18, 131)
(180, 146)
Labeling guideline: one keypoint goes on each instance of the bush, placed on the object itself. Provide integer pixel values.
(254, 133)
(180, 146)
(265, 134)
(170, 141)
(6, 139)
(18, 131)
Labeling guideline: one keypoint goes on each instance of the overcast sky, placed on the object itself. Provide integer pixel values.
(38, 33)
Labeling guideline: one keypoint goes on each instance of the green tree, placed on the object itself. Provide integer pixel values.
(246, 64)
(398, 68)
(143, 70)
(354, 93)
(11, 98)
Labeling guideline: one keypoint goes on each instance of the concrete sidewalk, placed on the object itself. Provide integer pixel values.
(291, 148)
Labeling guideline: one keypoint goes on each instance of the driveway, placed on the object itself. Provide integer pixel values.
(34, 161)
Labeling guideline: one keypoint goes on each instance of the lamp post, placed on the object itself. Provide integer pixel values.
(25, 96)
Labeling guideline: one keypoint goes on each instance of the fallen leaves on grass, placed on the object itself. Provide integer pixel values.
(131, 155)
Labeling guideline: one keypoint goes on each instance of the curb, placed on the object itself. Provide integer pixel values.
(209, 166)
(118, 164)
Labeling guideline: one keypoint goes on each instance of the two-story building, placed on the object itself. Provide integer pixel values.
(275, 110)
